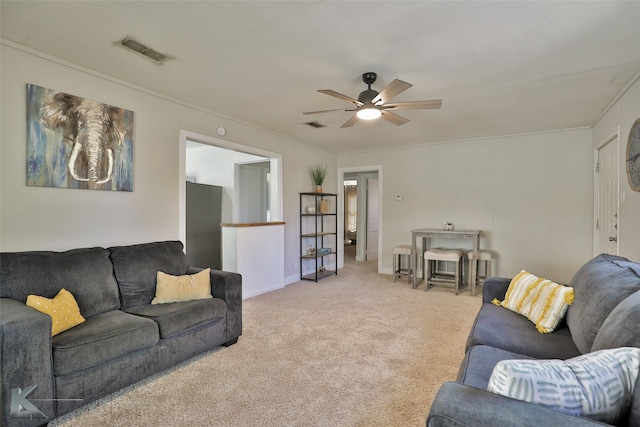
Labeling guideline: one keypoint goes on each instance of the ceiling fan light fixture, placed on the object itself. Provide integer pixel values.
(372, 104)
(369, 113)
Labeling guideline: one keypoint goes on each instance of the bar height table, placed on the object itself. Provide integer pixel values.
(427, 233)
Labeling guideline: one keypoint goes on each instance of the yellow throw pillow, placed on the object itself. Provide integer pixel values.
(540, 300)
(182, 288)
(63, 309)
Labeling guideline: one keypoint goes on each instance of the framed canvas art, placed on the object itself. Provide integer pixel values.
(74, 142)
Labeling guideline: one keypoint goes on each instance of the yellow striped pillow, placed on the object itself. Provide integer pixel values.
(540, 300)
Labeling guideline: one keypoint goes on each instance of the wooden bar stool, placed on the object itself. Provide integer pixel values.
(474, 264)
(400, 252)
(432, 276)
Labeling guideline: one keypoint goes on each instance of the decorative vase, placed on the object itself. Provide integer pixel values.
(318, 188)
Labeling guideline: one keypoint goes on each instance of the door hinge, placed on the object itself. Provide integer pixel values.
(597, 167)
(598, 224)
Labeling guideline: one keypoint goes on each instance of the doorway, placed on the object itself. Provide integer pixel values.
(222, 167)
(350, 216)
(368, 217)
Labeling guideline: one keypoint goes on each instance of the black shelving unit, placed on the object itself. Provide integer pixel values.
(318, 235)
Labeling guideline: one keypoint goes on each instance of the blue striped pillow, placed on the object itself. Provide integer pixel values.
(596, 385)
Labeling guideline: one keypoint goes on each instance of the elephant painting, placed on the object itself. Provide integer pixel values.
(76, 142)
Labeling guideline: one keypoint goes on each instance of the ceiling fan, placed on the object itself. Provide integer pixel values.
(372, 104)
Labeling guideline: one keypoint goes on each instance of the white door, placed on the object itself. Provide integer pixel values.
(607, 198)
(372, 219)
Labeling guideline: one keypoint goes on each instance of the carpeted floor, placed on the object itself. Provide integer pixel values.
(356, 349)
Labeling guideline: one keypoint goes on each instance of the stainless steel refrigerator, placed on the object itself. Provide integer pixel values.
(203, 225)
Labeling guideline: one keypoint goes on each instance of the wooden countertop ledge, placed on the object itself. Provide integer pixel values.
(252, 224)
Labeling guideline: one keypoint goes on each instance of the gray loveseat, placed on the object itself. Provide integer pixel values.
(605, 314)
(124, 338)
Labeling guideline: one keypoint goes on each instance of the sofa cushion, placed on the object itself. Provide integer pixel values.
(620, 328)
(495, 288)
(600, 285)
(507, 330)
(102, 337)
(63, 310)
(596, 385)
(136, 266)
(478, 364)
(187, 287)
(176, 317)
(87, 273)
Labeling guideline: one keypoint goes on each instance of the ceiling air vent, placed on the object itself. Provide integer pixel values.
(315, 124)
(148, 52)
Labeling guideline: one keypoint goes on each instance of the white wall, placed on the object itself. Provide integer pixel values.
(623, 114)
(38, 218)
(531, 195)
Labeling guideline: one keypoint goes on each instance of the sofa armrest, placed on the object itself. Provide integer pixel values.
(228, 286)
(25, 359)
(494, 287)
(460, 405)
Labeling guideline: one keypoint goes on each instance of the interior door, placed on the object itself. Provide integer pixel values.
(372, 219)
(607, 200)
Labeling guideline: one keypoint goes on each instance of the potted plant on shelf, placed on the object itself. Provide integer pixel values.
(318, 173)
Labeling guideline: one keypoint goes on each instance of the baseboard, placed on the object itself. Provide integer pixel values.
(262, 291)
(386, 270)
(291, 279)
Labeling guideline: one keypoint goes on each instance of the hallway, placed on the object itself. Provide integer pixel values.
(350, 260)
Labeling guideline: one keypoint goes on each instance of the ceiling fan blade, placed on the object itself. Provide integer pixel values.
(352, 121)
(326, 111)
(394, 88)
(414, 105)
(340, 96)
(394, 118)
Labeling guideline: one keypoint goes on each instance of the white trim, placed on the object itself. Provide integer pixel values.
(276, 192)
(465, 140)
(156, 94)
(617, 98)
(612, 137)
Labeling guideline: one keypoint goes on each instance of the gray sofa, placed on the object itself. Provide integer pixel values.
(124, 338)
(605, 314)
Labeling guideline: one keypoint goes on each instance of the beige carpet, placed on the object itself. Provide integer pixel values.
(356, 349)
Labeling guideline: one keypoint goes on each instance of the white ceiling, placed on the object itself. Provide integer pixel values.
(500, 67)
